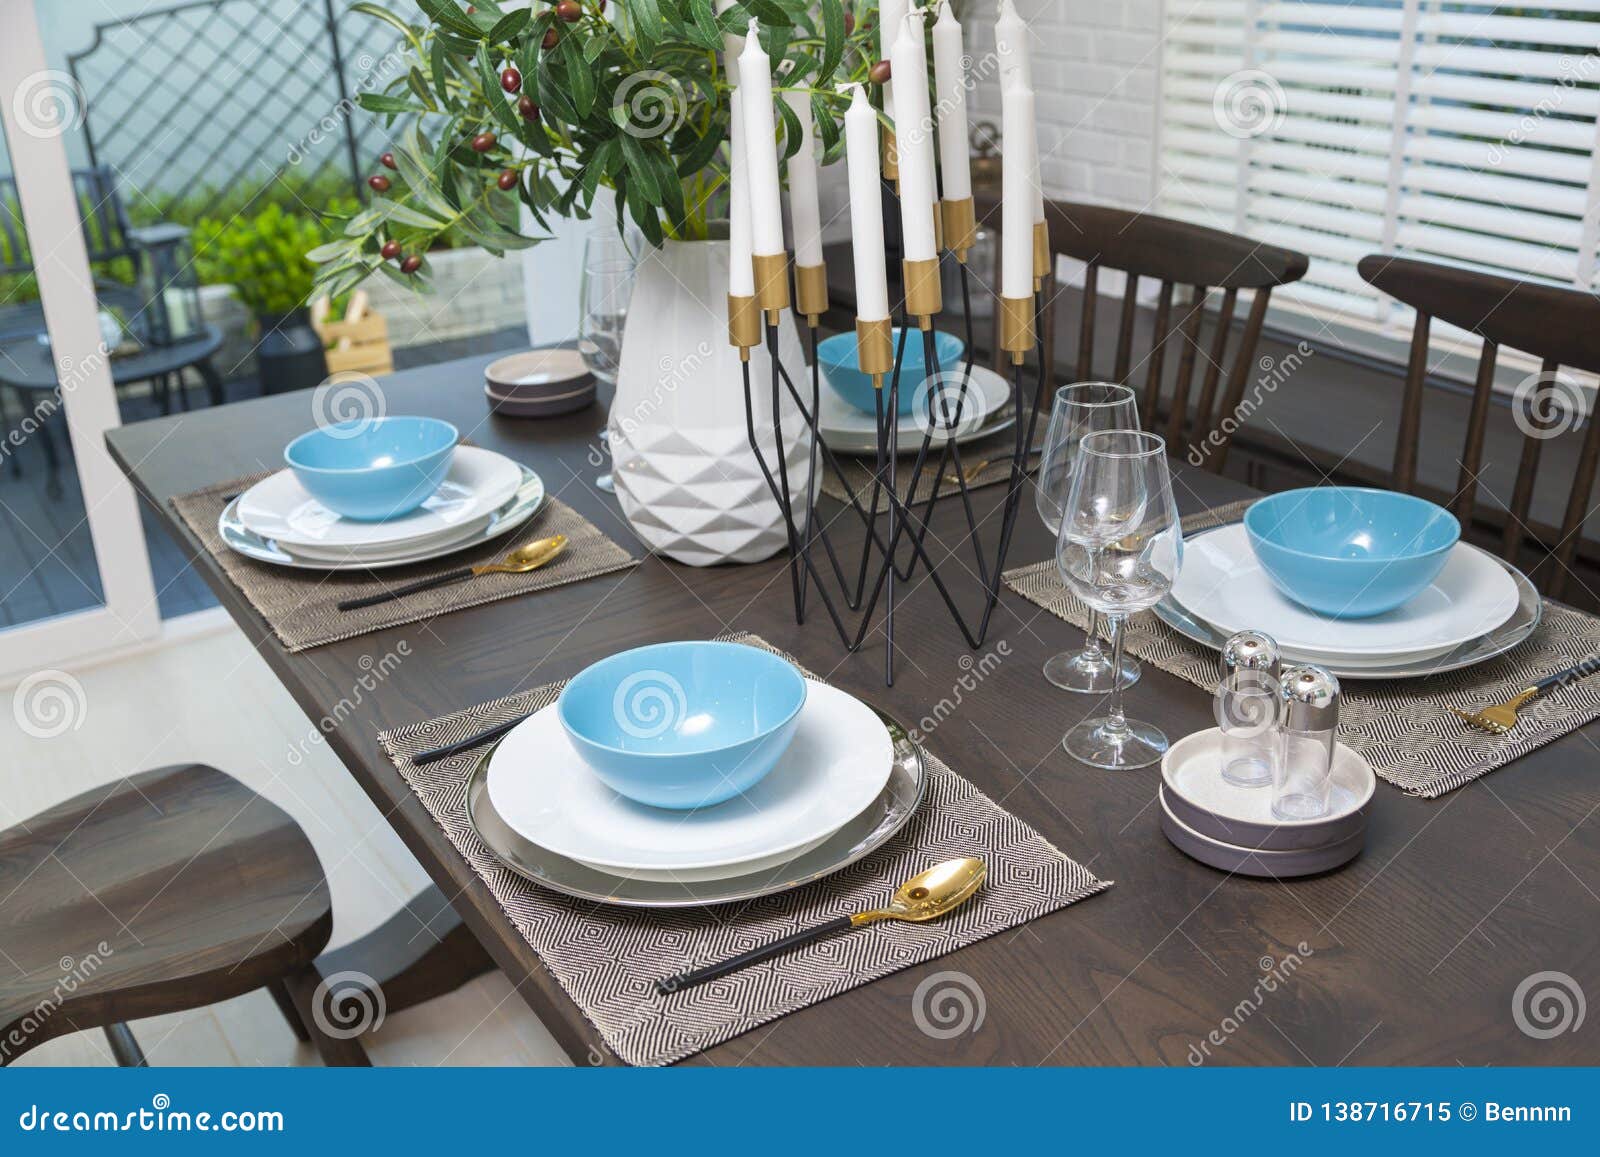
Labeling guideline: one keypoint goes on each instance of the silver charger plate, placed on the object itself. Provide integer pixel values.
(1522, 623)
(885, 816)
(841, 442)
(515, 511)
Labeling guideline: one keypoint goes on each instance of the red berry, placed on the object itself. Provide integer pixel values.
(849, 23)
(507, 179)
(483, 142)
(511, 80)
(411, 264)
(527, 107)
(879, 72)
(570, 11)
(390, 250)
(550, 39)
(387, 160)
(379, 182)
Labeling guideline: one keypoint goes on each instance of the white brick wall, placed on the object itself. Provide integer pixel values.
(1095, 69)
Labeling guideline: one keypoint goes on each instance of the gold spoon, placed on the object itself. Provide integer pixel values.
(528, 556)
(926, 896)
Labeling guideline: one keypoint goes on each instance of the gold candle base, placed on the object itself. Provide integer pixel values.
(891, 157)
(772, 283)
(811, 292)
(744, 324)
(1042, 262)
(924, 296)
(874, 349)
(1016, 327)
(938, 229)
(960, 221)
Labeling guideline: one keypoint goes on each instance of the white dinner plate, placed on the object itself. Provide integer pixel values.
(1222, 584)
(848, 430)
(837, 763)
(433, 544)
(479, 482)
(523, 504)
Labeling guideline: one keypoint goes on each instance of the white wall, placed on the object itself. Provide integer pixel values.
(1095, 69)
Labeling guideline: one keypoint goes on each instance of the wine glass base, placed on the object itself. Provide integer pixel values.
(1099, 744)
(1088, 672)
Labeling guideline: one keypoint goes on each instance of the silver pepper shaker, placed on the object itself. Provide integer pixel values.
(1303, 785)
(1246, 708)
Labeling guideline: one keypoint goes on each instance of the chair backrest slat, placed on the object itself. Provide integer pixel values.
(1239, 371)
(1130, 310)
(1091, 291)
(1559, 326)
(1203, 418)
(1158, 348)
(1178, 412)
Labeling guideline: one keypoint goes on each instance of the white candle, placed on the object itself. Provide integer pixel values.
(804, 209)
(741, 273)
(913, 138)
(760, 146)
(1017, 187)
(1011, 47)
(866, 208)
(891, 13)
(732, 46)
(950, 82)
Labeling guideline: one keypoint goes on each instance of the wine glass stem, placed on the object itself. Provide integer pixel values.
(1091, 638)
(1116, 722)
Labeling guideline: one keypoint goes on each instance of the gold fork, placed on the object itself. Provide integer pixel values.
(1500, 718)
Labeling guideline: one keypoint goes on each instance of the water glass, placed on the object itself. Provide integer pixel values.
(1119, 550)
(1078, 410)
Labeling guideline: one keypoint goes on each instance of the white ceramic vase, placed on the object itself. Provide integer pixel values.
(686, 478)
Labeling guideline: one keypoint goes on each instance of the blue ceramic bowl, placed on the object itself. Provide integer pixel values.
(373, 468)
(837, 356)
(1347, 551)
(683, 725)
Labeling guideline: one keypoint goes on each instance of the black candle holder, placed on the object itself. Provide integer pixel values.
(907, 521)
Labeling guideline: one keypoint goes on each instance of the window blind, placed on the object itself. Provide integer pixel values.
(1461, 132)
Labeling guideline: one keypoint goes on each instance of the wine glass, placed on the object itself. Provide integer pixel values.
(606, 286)
(1078, 410)
(1119, 551)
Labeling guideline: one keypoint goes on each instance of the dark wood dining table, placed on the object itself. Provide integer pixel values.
(1409, 955)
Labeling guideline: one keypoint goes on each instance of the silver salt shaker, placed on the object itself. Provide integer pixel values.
(1246, 708)
(1303, 783)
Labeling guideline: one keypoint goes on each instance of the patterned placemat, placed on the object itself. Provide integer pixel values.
(1402, 727)
(994, 452)
(607, 959)
(301, 606)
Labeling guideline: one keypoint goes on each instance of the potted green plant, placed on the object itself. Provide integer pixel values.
(504, 121)
(262, 255)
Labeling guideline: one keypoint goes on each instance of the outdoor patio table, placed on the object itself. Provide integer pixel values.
(1410, 955)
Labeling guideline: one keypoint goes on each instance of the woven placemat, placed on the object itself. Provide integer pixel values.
(1402, 727)
(607, 958)
(856, 473)
(301, 606)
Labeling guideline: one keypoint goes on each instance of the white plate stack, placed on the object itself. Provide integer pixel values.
(1223, 589)
(835, 767)
(985, 410)
(484, 495)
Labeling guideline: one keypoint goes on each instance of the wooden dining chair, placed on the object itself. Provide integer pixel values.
(168, 890)
(1559, 326)
(1179, 257)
